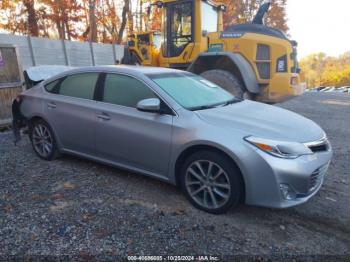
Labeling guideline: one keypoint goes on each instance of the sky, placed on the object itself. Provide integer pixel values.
(320, 26)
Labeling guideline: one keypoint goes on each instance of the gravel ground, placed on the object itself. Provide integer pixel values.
(71, 206)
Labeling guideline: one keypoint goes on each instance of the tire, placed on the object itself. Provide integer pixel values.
(43, 140)
(227, 195)
(227, 81)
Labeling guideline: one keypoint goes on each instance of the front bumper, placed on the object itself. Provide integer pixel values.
(302, 176)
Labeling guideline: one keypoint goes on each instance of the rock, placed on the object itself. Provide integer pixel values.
(57, 197)
(68, 185)
(62, 231)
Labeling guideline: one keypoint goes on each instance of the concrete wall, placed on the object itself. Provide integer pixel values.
(33, 51)
(42, 51)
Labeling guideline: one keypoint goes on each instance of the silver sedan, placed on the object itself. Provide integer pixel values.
(180, 128)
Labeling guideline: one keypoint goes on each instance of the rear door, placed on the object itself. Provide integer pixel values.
(127, 136)
(71, 111)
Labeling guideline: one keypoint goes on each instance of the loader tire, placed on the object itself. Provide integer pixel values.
(227, 81)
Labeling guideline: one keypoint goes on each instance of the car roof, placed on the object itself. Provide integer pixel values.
(124, 68)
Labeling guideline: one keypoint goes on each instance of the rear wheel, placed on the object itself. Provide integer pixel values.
(211, 182)
(43, 140)
(227, 81)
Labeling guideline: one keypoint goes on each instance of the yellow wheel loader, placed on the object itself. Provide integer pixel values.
(249, 60)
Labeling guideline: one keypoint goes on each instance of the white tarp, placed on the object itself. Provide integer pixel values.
(42, 72)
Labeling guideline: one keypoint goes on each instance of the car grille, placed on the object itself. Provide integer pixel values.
(318, 146)
(317, 177)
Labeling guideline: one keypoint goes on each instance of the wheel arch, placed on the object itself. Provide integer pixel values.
(203, 147)
(34, 118)
(230, 62)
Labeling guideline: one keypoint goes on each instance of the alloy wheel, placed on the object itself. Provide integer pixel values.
(42, 140)
(208, 184)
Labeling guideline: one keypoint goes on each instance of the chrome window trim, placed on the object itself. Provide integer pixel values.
(106, 72)
(43, 84)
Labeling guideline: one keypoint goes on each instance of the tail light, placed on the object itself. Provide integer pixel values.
(19, 98)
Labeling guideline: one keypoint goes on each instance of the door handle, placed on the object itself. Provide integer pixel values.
(51, 105)
(103, 116)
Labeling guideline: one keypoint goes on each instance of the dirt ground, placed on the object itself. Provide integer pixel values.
(72, 206)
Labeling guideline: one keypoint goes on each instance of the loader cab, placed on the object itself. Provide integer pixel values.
(179, 28)
(184, 28)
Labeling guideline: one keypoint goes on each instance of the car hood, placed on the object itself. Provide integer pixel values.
(263, 120)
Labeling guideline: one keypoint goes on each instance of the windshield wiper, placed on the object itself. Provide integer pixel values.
(230, 102)
(198, 108)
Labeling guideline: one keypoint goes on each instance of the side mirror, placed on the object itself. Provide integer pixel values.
(151, 105)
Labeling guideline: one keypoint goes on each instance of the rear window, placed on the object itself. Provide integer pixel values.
(80, 85)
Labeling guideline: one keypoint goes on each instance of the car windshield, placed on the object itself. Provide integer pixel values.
(191, 91)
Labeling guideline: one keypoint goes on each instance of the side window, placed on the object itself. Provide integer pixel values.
(51, 86)
(79, 85)
(125, 90)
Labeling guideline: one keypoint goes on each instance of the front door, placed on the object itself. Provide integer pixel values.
(129, 137)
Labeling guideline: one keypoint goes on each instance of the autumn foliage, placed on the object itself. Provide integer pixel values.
(243, 11)
(322, 70)
(109, 21)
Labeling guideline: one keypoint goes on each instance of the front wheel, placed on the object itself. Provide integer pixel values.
(211, 182)
(228, 81)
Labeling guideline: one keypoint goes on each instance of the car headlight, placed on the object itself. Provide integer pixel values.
(281, 149)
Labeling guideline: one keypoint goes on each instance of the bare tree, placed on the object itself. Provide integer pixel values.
(32, 21)
(130, 19)
(124, 20)
(92, 18)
